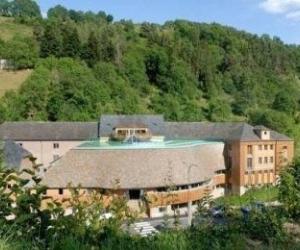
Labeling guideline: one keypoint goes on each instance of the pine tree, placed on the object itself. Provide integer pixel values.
(91, 53)
(71, 42)
(51, 44)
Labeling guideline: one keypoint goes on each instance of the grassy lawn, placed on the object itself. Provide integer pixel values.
(10, 80)
(264, 194)
(8, 29)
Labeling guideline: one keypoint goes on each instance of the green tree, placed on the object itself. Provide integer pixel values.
(25, 8)
(23, 52)
(51, 41)
(276, 120)
(5, 8)
(71, 43)
(107, 47)
(58, 12)
(91, 52)
(289, 190)
(285, 102)
(76, 16)
(218, 110)
(109, 18)
(157, 63)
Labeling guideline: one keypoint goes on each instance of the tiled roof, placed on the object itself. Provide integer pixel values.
(136, 168)
(14, 154)
(80, 131)
(225, 131)
(31, 131)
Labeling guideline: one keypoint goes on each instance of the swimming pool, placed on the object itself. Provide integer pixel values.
(170, 144)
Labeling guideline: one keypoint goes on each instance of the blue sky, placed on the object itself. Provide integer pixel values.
(274, 17)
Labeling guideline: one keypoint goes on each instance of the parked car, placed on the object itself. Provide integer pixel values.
(257, 206)
(218, 211)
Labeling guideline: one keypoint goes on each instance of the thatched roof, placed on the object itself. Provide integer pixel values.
(136, 168)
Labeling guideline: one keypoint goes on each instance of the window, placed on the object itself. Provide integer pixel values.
(9, 186)
(266, 147)
(260, 147)
(266, 160)
(162, 209)
(55, 145)
(260, 160)
(284, 147)
(55, 157)
(161, 189)
(271, 159)
(178, 206)
(196, 202)
(134, 194)
(249, 149)
(271, 146)
(183, 187)
(249, 163)
(60, 191)
(21, 144)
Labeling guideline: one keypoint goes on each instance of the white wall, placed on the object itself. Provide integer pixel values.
(155, 213)
(44, 150)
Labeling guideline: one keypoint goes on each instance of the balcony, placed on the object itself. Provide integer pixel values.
(219, 179)
(140, 134)
(176, 197)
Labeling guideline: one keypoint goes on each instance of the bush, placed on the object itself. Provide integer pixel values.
(266, 225)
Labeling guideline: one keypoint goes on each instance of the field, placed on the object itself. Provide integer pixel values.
(10, 80)
(8, 29)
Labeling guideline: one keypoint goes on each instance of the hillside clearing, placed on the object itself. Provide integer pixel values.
(8, 29)
(10, 80)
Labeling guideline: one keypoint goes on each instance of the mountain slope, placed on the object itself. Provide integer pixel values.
(187, 71)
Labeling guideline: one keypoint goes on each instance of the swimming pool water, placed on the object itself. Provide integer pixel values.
(96, 144)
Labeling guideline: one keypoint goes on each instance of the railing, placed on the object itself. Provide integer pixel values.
(122, 137)
(176, 197)
(219, 179)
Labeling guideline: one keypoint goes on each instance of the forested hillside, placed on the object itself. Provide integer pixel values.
(85, 64)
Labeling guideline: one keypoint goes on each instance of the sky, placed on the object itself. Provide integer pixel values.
(279, 18)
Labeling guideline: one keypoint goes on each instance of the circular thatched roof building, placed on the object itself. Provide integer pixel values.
(139, 165)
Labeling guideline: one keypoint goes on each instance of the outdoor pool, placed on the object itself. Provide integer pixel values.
(111, 145)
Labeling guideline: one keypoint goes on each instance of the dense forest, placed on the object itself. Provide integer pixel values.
(86, 64)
